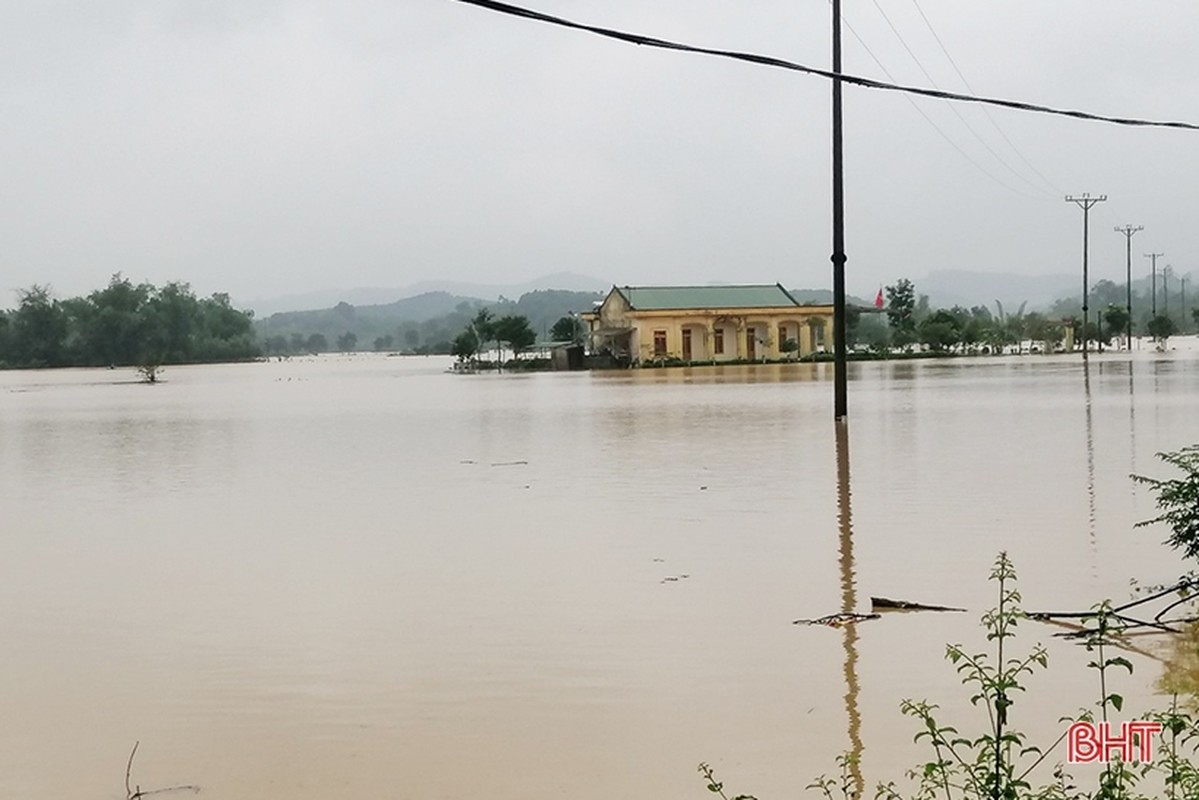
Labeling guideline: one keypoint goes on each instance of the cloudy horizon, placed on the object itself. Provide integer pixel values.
(282, 146)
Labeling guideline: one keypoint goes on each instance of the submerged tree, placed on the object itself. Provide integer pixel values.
(1161, 328)
(1116, 319)
(125, 324)
(466, 345)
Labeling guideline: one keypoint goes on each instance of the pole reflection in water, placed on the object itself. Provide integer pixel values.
(848, 606)
(1132, 432)
(1086, 375)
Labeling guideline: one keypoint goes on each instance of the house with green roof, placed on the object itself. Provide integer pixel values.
(703, 324)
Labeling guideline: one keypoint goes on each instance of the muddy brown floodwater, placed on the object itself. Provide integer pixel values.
(359, 576)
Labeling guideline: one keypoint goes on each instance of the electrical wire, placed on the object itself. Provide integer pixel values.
(953, 107)
(856, 80)
(930, 121)
(986, 110)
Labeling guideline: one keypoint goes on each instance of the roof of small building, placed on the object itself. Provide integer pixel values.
(663, 298)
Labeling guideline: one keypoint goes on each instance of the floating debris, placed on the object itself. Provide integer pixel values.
(509, 463)
(836, 620)
(885, 604)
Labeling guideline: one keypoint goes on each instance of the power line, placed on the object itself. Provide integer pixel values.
(956, 112)
(779, 63)
(929, 120)
(928, 23)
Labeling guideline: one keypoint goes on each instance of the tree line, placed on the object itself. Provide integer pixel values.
(124, 324)
(909, 320)
(426, 324)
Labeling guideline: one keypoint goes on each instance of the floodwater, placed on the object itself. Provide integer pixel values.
(360, 576)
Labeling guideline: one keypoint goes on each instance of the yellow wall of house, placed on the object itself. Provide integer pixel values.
(736, 324)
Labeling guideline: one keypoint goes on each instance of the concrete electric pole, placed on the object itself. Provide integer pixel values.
(1129, 231)
(840, 379)
(1085, 202)
(1153, 282)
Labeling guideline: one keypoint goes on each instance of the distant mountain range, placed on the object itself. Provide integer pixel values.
(373, 296)
(944, 288)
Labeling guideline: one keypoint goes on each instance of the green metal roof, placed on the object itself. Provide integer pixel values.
(664, 298)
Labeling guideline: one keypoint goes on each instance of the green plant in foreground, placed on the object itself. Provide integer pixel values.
(987, 765)
(1178, 500)
(844, 786)
(997, 763)
(716, 787)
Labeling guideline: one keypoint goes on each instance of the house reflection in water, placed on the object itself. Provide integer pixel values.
(648, 324)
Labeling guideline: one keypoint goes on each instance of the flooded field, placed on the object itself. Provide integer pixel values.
(361, 576)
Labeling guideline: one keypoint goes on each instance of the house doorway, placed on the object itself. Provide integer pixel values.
(686, 344)
(751, 344)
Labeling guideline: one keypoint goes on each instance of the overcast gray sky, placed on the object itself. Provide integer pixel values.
(265, 147)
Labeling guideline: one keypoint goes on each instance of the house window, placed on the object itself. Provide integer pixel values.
(659, 343)
(718, 341)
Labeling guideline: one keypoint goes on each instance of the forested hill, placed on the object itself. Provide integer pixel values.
(124, 324)
(424, 323)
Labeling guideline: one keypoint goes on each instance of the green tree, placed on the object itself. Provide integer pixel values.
(1178, 500)
(1161, 328)
(384, 343)
(515, 331)
(39, 329)
(316, 343)
(567, 329)
(901, 312)
(871, 331)
(1115, 317)
(466, 345)
(484, 326)
(115, 330)
(174, 322)
(222, 332)
(975, 324)
(5, 334)
(1039, 328)
(940, 330)
(276, 346)
(347, 341)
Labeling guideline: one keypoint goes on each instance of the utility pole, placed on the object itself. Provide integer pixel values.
(840, 381)
(1166, 290)
(1153, 282)
(1182, 286)
(1129, 231)
(1085, 202)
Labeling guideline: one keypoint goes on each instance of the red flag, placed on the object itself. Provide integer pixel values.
(878, 298)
